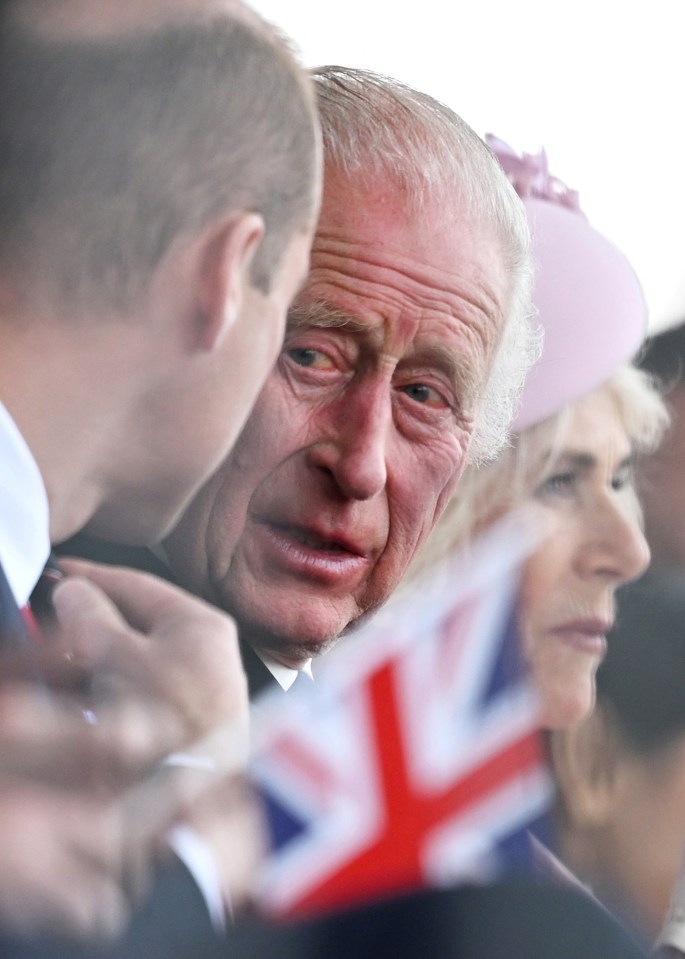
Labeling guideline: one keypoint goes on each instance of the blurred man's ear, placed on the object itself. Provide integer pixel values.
(224, 265)
(586, 765)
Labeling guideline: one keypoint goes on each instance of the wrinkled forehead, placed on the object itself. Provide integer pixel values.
(377, 276)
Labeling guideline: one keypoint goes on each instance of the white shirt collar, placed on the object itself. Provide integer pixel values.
(285, 676)
(24, 518)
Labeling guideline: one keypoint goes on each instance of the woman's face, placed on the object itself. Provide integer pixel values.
(595, 544)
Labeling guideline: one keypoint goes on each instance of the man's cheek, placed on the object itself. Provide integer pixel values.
(441, 503)
(443, 481)
(406, 533)
(257, 447)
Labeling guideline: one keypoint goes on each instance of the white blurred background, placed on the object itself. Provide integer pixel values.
(599, 84)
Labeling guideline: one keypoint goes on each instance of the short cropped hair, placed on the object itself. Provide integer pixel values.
(664, 356)
(485, 493)
(111, 147)
(375, 126)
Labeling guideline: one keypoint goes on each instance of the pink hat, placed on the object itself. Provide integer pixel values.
(590, 303)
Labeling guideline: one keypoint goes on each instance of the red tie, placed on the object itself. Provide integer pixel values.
(30, 622)
(40, 611)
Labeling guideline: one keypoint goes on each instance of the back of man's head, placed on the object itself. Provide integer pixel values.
(664, 356)
(121, 133)
(662, 476)
(376, 128)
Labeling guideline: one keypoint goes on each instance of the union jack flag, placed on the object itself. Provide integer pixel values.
(414, 759)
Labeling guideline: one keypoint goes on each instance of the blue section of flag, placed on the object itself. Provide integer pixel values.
(284, 825)
(508, 664)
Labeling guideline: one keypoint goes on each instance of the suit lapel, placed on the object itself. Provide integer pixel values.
(259, 677)
(13, 631)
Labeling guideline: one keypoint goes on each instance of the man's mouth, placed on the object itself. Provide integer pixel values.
(313, 540)
(321, 555)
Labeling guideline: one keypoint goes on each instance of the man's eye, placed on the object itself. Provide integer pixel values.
(312, 359)
(426, 395)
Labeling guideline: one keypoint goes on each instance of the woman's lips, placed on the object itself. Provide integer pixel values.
(585, 635)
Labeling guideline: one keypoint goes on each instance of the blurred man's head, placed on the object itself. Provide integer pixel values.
(419, 273)
(662, 475)
(159, 184)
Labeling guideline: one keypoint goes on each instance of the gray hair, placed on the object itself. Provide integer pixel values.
(113, 146)
(375, 126)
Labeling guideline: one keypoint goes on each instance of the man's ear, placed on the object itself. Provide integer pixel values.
(224, 270)
(586, 765)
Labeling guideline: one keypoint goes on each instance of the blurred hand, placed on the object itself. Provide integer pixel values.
(134, 670)
(166, 661)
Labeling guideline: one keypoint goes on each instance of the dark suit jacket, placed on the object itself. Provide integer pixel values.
(13, 632)
(505, 920)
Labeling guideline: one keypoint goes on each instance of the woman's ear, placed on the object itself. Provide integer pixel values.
(586, 765)
(223, 271)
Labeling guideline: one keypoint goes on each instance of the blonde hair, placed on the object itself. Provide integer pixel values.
(486, 493)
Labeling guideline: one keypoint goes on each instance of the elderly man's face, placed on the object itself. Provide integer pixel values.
(361, 431)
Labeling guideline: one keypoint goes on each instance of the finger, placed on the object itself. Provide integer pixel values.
(187, 660)
(87, 620)
(196, 663)
(45, 738)
(146, 602)
(101, 645)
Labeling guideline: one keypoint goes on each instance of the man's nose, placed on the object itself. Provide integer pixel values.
(354, 448)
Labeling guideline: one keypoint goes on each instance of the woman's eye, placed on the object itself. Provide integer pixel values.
(312, 359)
(558, 484)
(622, 480)
(426, 395)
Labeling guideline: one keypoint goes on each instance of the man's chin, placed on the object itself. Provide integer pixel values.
(293, 647)
(296, 654)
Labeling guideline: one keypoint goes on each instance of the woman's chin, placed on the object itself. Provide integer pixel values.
(562, 712)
